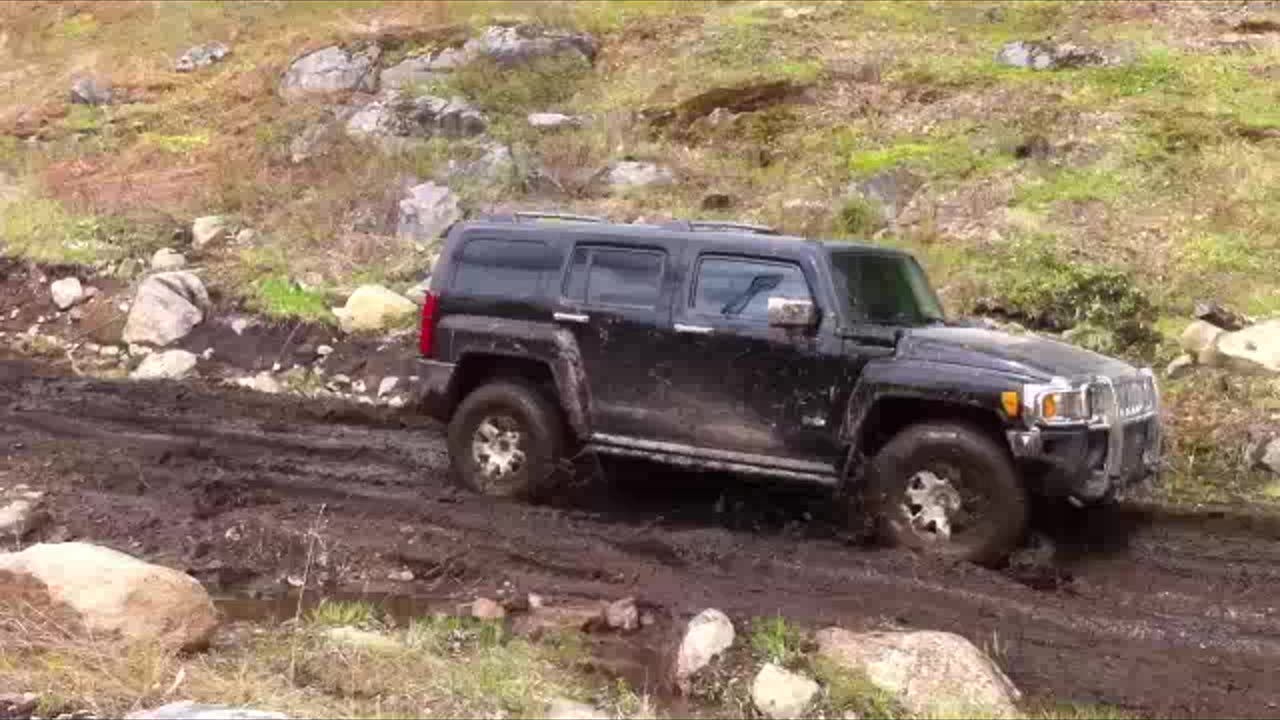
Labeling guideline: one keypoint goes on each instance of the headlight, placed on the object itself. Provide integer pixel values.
(1059, 403)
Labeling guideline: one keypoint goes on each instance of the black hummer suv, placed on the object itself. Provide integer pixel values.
(729, 347)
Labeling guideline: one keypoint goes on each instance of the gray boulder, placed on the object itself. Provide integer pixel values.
(493, 165)
(187, 710)
(201, 56)
(1048, 55)
(419, 70)
(395, 115)
(932, 674)
(709, 634)
(553, 121)
(89, 90)
(208, 230)
(780, 694)
(1200, 341)
(332, 69)
(1255, 349)
(891, 190)
(66, 292)
(632, 174)
(167, 260)
(166, 308)
(519, 45)
(426, 211)
(167, 365)
(315, 140)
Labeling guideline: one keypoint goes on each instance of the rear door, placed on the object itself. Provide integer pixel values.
(617, 300)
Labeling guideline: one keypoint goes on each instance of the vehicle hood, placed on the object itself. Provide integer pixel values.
(1029, 355)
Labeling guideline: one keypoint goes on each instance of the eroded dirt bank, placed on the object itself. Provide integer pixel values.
(1163, 616)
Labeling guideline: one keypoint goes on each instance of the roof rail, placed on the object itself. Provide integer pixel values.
(721, 225)
(534, 215)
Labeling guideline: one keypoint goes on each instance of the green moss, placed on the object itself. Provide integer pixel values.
(78, 26)
(177, 144)
(84, 119)
(860, 217)
(337, 613)
(1074, 185)
(850, 692)
(547, 83)
(278, 296)
(946, 155)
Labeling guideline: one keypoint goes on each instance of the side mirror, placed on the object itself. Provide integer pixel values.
(792, 313)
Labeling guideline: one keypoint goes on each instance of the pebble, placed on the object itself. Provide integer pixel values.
(109, 351)
(324, 350)
(401, 576)
(357, 387)
(207, 354)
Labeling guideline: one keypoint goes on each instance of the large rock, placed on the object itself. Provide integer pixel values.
(89, 90)
(1255, 349)
(66, 292)
(633, 174)
(493, 165)
(201, 56)
(372, 308)
(167, 307)
(108, 593)
(780, 694)
(1217, 315)
(426, 211)
(519, 45)
(1047, 55)
(1200, 341)
(930, 673)
(709, 633)
(208, 230)
(21, 512)
(891, 190)
(168, 260)
(332, 69)
(167, 365)
(393, 115)
(420, 70)
(188, 710)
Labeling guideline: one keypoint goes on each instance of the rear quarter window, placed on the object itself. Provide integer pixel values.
(504, 268)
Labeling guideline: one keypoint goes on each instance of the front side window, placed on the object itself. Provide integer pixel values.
(740, 288)
(615, 277)
(886, 289)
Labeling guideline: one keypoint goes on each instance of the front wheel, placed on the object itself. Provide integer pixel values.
(505, 440)
(948, 489)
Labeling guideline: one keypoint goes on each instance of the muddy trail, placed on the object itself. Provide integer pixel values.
(256, 494)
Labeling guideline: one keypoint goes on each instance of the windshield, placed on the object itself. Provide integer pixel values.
(886, 289)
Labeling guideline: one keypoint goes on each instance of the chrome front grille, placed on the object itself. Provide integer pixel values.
(1122, 405)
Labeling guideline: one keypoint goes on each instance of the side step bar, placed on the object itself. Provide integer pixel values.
(692, 457)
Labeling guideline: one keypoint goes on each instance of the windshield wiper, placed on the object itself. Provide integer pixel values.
(759, 284)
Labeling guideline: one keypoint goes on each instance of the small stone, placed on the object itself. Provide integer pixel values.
(14, 313)
(139, 350)
(207, 230)
(623, 615)
(388, 385)
(536, 601)
(263, 382)
(239, 325)
(358, 387)
(486, 609)
(552, 121)
(201, 56)
(167, 365)
(109, 351)
(341, 379)
(401, 576)
(207, 354)
(781, 694)
(76, 315)
(397, 402)
(324, 350)
(246, 236)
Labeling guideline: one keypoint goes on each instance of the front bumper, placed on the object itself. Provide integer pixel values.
(433, 392)
(1094, 463)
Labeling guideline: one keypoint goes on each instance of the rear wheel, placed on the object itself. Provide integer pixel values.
(948, 489)
(506, 440)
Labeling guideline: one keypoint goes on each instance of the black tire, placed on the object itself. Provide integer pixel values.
(510, 407)
(986, 508)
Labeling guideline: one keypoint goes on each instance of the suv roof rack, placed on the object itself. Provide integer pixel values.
(539, 215)
(721, 225)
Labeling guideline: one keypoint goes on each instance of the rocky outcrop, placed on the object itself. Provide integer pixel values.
(709, 634)
(393, 115)
(1048, 55)
(167, 365)
(519, 45)
(426, 211)
(201, 56)
(109, 594)
(781, 694)
(332, 69)
(933, 674)
(187, 710)
(372, 308)
(420, 69)
(167, 307)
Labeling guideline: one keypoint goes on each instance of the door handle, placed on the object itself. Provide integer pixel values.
(571, 317)
(693, 329)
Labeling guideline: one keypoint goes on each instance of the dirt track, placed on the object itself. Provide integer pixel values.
(1163, 617)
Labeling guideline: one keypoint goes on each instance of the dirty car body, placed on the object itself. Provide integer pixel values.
(766, 355)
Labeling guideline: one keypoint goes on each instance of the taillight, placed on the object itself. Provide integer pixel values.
(428, 331)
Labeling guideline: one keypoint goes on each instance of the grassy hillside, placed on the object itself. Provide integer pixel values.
(1105, 199)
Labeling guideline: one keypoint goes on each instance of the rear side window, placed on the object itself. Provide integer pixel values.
(507, 268)
(740, 288)
(615, 277)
